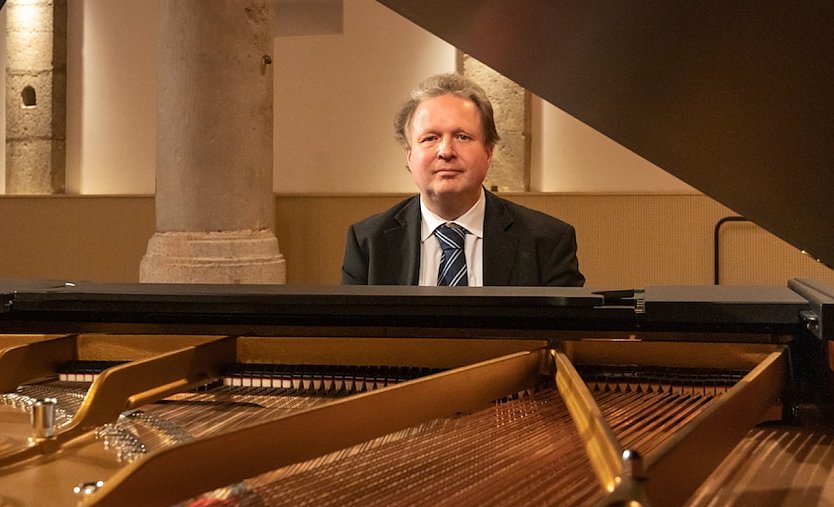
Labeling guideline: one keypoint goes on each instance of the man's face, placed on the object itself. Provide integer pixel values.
(447, 155)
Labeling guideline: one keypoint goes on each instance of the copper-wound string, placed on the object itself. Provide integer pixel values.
(487, 457)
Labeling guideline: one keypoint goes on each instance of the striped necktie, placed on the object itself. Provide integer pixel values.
(452, 260)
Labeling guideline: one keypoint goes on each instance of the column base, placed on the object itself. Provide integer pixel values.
(241, 257)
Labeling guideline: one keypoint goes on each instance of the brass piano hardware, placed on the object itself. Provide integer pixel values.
(131, 385)
(218, 460)
(657, 352)
(433, 352)
(603, 448)
(722, 423)
(26, 362)
(684, 461)
(629, 491)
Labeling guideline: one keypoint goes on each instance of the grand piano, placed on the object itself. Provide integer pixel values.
(155, 394)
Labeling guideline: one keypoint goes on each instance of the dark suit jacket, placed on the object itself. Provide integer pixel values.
(521, 247)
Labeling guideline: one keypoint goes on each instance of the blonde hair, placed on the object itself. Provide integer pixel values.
(446, 84)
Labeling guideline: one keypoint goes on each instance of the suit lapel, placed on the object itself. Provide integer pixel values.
(403, 243)
(499, 245)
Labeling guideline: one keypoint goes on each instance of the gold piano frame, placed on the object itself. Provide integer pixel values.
(478, 371)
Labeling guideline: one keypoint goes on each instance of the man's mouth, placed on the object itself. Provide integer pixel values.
(448, 170)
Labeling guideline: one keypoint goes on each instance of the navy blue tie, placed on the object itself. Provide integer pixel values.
(452, 260)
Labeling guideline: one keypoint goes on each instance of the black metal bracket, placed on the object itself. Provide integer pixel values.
(716, 268)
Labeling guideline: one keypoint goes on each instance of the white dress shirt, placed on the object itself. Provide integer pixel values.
(473, 222)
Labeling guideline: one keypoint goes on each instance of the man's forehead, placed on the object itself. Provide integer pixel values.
(446, 107)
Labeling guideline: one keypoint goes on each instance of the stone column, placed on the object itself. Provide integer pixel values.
(510, 168)
(36, 96)
(215, 208)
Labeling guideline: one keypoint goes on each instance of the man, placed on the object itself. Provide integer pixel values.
(455, 232)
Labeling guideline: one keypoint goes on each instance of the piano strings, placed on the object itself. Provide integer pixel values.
(463, 456)
(489, 456)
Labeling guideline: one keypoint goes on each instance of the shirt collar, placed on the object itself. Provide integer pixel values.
(472, 220)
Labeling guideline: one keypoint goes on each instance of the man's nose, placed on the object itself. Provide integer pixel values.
(444, 148)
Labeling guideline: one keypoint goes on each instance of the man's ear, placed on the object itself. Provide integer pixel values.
(408, 159)
(489, 148)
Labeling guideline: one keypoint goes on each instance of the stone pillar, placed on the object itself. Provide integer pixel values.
(215, 209)
(36, 96)
(510, 168)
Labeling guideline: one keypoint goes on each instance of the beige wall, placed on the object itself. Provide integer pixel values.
(100, 239)
(112, 49)
(624, 240)
(335, 97)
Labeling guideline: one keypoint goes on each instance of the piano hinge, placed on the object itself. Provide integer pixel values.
(811, 321)
(639, 306)
(639, 302)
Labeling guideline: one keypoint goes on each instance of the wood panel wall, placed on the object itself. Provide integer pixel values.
(624, 240)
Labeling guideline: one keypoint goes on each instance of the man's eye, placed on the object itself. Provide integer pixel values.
(428, 139)
(464, 137)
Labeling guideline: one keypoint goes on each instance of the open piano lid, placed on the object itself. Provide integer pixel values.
(734, 98)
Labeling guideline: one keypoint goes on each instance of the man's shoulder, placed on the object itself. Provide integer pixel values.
(528, 217)
(388, 218)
